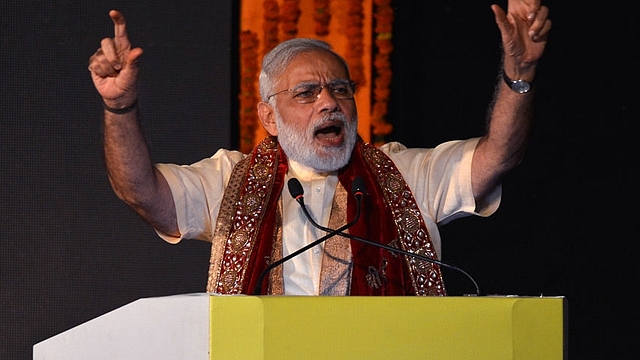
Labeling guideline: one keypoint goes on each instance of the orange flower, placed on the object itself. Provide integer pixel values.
(248, 118)
(383, 28)
(271, 9)
(290, 15)
(322, 17)
(280, 19)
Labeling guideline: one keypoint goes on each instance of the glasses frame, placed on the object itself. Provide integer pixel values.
(319, 88)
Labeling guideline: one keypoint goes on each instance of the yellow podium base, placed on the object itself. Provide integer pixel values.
(274, 327)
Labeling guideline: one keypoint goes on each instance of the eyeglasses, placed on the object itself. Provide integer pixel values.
(307, 93)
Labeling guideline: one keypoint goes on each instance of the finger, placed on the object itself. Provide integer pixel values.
(110, 55)
(121, 38)
(132, 58)
(102, 68)
(544, 32)
(534, 3)
(529, 4)
(540, 21)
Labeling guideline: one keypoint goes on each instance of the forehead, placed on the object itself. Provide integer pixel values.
(313, 66)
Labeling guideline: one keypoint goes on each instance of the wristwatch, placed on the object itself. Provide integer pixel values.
(520, 86)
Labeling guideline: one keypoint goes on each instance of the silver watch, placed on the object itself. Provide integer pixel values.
(520, 86)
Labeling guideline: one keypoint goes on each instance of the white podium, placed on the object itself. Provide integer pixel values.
(204, 326)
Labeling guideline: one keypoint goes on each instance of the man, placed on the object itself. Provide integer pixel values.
(236, 201)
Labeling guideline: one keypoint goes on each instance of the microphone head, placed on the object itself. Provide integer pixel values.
(295, 188)
(358, 187)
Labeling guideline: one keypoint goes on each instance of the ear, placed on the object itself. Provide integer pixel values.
(267, 116)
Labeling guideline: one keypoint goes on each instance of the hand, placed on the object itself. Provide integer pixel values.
(114, 67)
(524, 30)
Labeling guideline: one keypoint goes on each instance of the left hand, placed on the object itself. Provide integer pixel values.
(524, 29)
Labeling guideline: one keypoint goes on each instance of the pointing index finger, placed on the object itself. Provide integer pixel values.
(120, 29)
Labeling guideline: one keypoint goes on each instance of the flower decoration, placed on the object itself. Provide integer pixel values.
(290, 16)
(271, 24)
(322, 17)
(355, 35)
(281, 20)
(383, 30)
(248, 97)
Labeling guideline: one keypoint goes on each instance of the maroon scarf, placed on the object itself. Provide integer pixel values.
(389, 215)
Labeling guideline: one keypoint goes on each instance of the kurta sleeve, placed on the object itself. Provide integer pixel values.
(197, 191)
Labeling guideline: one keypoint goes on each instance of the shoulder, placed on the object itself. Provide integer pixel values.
(396, 148)
(392, 147)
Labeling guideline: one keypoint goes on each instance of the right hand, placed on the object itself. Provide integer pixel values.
(524, 29)
(114, 67)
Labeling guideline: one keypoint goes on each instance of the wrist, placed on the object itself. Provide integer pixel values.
(519, 85)
(518, 71)
(120, 110)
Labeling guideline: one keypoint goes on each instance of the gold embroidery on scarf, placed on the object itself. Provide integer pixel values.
(239, 240)
(410, 220)
(224, 221)
(373, 278)
(260, 171)
(376, 278)
(251, 203)
(229, 281)
(395, 243)
(337, 263)
(245, 219)
(412, 232)
(393, 183)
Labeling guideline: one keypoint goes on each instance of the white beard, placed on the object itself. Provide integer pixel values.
(299, 146)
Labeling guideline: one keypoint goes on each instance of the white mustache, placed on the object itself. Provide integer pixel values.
(330, 118)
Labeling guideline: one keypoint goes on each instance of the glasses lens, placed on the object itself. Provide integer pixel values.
(308, 93)
(341, 90)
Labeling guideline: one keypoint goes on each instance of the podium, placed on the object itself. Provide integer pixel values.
(205, 326)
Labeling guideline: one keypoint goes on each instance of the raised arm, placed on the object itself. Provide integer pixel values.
(524, 29)
(114, 70)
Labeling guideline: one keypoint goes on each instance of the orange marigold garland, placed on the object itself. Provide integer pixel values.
(248, 99)
(270, 24)
(322, 17)
(383, 30)
(283, 15)
(290, 15)
(355, 35)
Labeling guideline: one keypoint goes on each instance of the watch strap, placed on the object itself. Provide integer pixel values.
(520, 86)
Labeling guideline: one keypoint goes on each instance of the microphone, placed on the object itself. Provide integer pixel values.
(358, 188)
(296, 191)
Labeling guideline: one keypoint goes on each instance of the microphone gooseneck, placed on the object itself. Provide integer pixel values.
(358, 189)
(295, 188)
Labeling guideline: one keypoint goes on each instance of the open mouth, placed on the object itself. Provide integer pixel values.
(330, 132)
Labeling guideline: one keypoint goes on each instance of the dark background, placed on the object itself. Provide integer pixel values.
(71, 251)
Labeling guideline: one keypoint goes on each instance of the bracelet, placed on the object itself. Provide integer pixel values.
(122, 111)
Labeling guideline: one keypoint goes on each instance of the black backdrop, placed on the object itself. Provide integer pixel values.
(71, 251)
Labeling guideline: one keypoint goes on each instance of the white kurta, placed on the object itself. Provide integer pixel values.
(440, 179)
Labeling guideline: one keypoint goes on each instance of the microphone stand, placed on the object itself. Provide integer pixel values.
(300, 199)
(331, 233)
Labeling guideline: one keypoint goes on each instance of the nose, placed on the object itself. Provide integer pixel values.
(326, 100)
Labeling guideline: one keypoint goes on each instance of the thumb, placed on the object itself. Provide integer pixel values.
(131, 60)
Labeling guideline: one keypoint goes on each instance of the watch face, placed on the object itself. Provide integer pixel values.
(521, 86)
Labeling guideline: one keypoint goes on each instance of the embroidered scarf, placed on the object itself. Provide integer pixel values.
(248, 237)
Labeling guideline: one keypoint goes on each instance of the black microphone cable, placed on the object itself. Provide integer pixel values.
(331, 233)
(295, 188)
